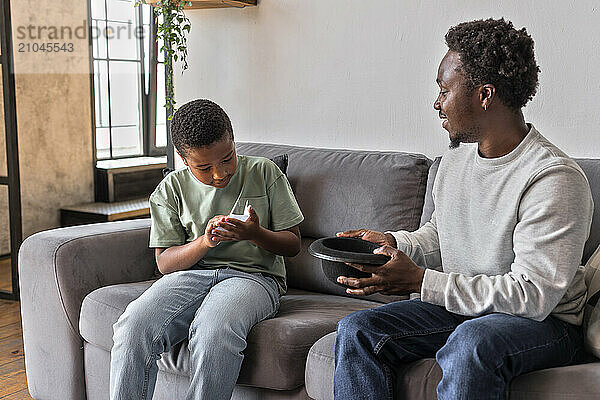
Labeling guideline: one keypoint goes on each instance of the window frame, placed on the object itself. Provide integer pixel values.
(148, 101)
(12, 180)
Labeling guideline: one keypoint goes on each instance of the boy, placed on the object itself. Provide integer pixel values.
(221, 275)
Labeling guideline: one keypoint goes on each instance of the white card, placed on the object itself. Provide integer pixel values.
(242, 217)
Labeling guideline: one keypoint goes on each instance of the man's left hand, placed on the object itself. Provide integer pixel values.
(399, 276)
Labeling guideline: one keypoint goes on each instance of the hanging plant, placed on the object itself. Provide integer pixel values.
(172, 27)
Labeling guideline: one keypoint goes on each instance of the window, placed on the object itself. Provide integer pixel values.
(11, 230)
(129, 81)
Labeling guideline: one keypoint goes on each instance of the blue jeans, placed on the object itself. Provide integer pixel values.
(213, 309)
(478, 356)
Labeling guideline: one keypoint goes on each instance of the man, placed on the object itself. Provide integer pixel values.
(497, 267)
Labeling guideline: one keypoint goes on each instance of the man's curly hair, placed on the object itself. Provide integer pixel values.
(199, 123)
(493, 51)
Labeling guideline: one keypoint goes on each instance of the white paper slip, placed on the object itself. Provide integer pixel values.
(242, 217)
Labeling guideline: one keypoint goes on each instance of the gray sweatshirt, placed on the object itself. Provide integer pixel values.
(507, 233)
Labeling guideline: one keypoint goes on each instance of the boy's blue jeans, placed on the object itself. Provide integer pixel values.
(478, 356)
(214, 309)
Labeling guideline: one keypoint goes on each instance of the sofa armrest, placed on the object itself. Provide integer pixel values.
(57, 269)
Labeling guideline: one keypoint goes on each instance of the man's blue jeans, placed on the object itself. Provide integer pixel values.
(213, 309)
(478, 356)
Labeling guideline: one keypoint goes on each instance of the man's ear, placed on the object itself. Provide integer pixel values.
(487, 93)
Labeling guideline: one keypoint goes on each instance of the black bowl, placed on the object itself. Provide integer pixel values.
(335, 251)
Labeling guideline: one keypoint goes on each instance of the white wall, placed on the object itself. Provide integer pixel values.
(361, 74)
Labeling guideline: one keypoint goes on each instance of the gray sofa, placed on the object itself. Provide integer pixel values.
(75, 282)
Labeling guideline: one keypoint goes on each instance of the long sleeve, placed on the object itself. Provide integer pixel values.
(422, 245)
(553, 223)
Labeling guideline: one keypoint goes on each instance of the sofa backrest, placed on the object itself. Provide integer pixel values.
(346, 189)
(591, 168)
(428, 205)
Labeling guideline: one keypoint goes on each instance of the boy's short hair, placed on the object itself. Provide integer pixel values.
(199, 123)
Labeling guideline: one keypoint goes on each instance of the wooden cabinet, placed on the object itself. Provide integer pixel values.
(197, 4)
(91, 213)
(127, 178)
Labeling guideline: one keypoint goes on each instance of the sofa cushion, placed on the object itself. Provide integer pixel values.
(281, 161)
(418, 380)
(101, 309)
(428, 205)
(169, 386)
(277, 348)
(591, 315)
(591, 168)
(344, 189)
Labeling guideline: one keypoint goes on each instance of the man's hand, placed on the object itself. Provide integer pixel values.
(399, 276)
(210, 239)
(380, 238)
(238, 230)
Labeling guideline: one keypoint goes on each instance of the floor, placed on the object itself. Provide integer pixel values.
(13, 383)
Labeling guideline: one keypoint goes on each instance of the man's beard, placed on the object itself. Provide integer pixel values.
(454, 143)
(470, 135)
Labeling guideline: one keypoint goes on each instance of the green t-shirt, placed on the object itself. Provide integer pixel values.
(181, 207)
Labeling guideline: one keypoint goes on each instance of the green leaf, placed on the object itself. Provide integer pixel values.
(173, 30)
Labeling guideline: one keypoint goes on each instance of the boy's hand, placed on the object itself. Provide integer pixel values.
(238, 230)
(211, 240)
